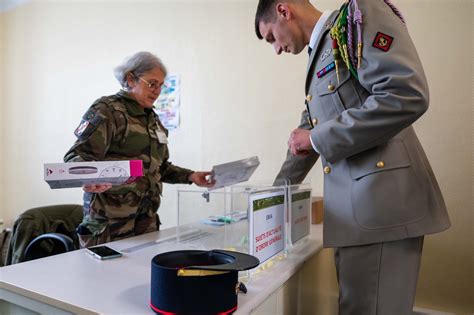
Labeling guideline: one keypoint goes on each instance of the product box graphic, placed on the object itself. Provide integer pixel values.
(77, 174)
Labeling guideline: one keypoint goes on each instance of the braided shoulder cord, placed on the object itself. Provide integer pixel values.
(358, 21)
(342, 34)
(395, 10)
(355, 17)
(342, 39)
(350, 39)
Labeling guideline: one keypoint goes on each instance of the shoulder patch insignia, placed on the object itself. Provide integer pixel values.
(80, 129)
(90, 115)
(89, 122)
(382, 41)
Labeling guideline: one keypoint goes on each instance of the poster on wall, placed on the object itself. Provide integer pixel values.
(167, 104)
(267, 224)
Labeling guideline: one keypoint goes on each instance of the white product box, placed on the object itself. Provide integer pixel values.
(76, 174)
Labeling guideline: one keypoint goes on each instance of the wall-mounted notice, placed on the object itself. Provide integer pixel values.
(300, 214)
(167, 104)
(267, 224)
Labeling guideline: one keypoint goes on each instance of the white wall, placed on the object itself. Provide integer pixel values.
(443, 33)
(238, 99)
(2, 105)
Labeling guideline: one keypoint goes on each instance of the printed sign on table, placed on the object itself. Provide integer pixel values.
(267, 224)
(300, 214)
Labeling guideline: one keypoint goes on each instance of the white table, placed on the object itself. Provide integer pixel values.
(76, 282)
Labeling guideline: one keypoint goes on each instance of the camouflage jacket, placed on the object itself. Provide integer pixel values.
(116, 127)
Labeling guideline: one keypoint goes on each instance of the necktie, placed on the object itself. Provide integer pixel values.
(309, 50)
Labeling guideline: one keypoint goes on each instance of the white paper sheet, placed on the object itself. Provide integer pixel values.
(234, 172)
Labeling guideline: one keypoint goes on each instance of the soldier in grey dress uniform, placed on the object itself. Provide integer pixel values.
(365, 87)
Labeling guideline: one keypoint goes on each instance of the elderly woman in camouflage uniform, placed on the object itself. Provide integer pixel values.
(124, 127)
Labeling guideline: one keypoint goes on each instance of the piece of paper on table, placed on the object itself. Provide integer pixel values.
(234, 172)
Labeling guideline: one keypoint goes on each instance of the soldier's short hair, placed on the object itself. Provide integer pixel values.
(266, 13)
(137, 64)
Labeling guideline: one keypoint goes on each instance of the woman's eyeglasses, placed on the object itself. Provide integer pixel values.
(153, 85)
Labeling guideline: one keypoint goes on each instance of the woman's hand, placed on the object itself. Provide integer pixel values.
(97, 188)
(202, 179)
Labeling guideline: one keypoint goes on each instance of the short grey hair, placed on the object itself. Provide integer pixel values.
(137, 64)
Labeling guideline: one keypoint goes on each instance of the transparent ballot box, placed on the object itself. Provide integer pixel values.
(299, 212)
(253, 218)
(213, 219)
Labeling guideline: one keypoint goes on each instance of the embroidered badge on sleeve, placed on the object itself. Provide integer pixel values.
(80, 129)
(89, 123)
(382, 41)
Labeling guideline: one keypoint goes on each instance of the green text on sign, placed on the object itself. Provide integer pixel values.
(301, 196)
(268, 202)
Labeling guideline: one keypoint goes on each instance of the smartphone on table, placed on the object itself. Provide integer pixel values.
(103, 252)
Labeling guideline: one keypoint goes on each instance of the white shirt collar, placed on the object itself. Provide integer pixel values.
(319, 27)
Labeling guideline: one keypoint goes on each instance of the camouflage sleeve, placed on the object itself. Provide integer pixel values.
(94, 135)
(173, 174)
(170, 173)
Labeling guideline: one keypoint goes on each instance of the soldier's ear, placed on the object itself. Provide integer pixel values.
(130, 79)
(283, 11)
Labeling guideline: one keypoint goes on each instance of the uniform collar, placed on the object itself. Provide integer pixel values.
(319, 39)
(133, 108)
(320, 35)
(318, 28)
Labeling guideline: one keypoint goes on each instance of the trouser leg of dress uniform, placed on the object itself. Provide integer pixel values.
(378, 278)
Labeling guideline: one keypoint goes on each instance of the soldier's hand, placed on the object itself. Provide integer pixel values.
(97, 188)
(200, 179)
(299, 143)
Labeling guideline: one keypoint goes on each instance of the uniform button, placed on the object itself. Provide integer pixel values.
(331, 87)
(315, 121)
(380, 164)
(327, 170)
(309, 97)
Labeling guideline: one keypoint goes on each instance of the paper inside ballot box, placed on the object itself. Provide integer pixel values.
(77, 174)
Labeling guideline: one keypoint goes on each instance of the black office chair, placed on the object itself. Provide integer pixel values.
(44, 231)
(48, 244)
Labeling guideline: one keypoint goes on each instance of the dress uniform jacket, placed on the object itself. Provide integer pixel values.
(378, 184)
(116, 127)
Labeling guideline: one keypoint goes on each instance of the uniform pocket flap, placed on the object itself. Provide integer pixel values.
(329, 83)
(390, 156)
